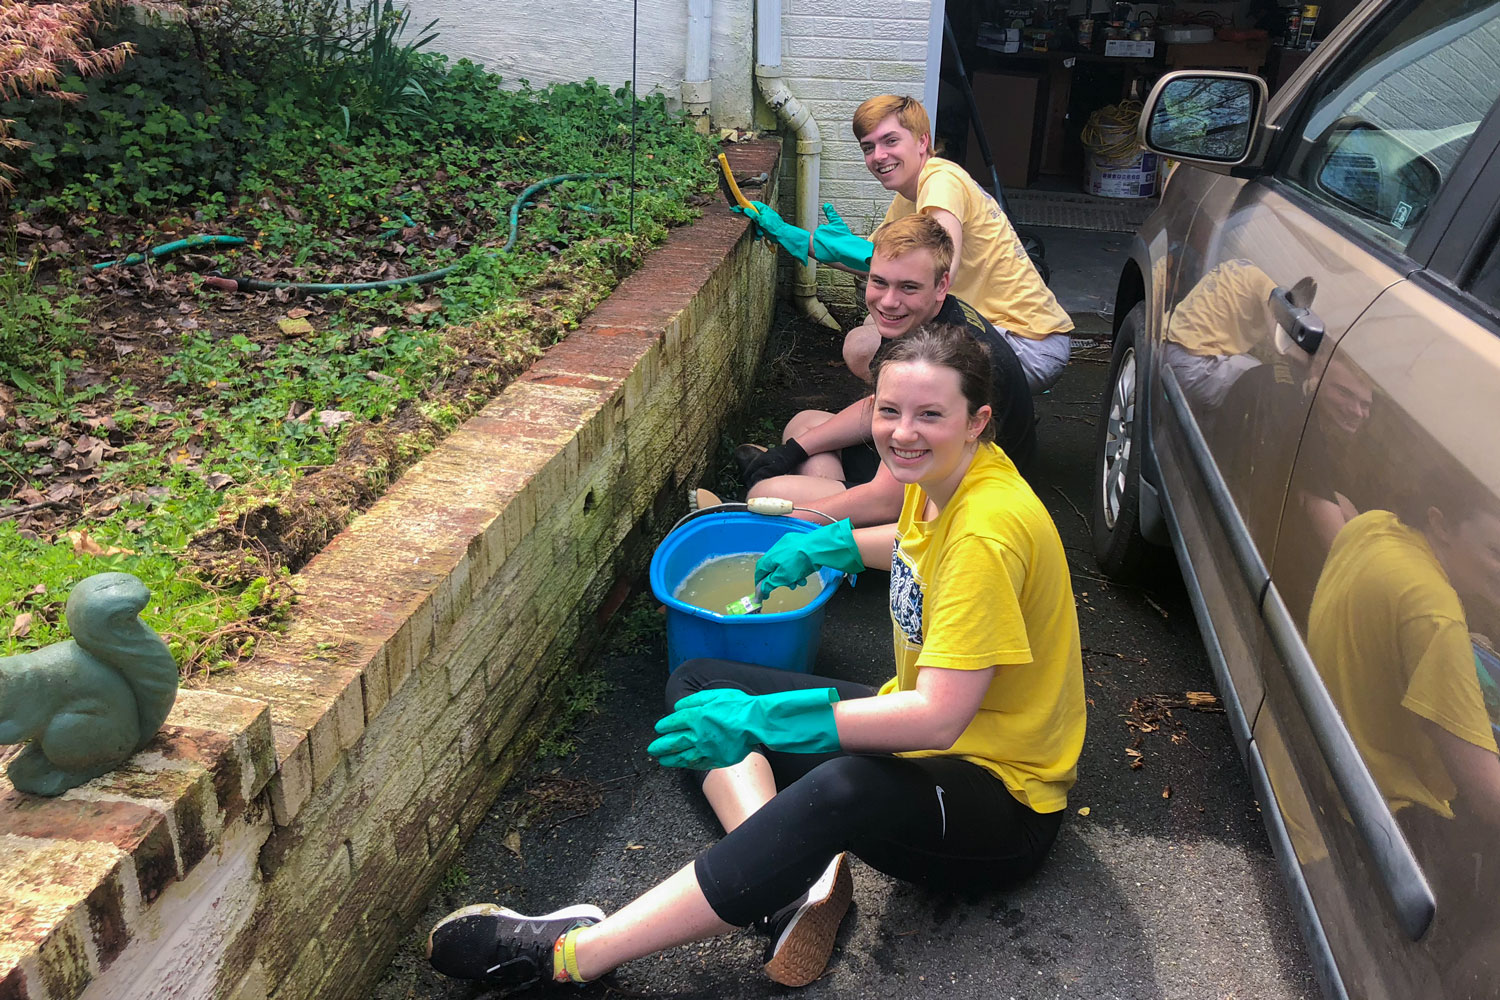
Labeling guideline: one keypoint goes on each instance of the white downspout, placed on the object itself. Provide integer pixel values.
(697, 87)
(809, 149)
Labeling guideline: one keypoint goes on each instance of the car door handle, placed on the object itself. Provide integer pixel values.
(1302, 325)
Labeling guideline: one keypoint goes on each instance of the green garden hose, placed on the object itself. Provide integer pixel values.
(228, 284)
(161, 251)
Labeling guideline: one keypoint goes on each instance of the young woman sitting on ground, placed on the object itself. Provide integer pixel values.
(955, 773)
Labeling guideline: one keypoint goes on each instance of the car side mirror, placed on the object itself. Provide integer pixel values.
(1205, 117)
(1375, 174)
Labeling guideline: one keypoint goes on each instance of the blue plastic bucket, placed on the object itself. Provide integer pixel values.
(788, 639)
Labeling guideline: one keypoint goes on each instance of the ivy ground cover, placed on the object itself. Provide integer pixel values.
(211, 441)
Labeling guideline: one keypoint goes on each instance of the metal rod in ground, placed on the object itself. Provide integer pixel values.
(635, 12)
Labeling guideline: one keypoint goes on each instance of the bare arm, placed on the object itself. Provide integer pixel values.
(955, 230)
(1475, 770)
(875, 545)
(875, 502)
(931, 717)
(851, 425)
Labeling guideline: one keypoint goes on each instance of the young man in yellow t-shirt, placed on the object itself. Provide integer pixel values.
(991, 269)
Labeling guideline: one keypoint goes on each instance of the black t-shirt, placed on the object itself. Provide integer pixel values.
(1010, 402)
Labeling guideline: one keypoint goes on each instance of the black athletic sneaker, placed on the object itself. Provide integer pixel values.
(803, 933)
(500, 946)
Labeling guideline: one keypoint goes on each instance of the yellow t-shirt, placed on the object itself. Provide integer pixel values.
(1389, 637)
(1226, 312)
(986, 584)
(995, 275)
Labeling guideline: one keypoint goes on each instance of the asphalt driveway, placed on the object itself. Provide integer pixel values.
(1161, 885)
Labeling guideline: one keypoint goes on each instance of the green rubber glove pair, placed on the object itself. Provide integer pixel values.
(798, 554)
(719, 727)
(832, 243)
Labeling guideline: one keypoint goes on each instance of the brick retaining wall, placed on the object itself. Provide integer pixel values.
(280, 835)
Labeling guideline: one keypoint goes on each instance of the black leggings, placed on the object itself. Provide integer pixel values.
(937, 821)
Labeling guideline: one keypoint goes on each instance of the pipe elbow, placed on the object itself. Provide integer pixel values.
(811, 307)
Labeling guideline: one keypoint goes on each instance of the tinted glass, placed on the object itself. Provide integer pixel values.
(1383, 133)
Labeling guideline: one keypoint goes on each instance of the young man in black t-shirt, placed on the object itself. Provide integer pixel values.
(826, 460)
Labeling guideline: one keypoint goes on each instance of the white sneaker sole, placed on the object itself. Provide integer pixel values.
(801, 952)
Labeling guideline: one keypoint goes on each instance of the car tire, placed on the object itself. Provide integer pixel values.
(1120, 549)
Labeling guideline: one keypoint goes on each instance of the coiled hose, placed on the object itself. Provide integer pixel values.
(229, 284)
(1110, 132)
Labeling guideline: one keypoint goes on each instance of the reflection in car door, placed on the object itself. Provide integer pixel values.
(1237, 386)
(1400, 620)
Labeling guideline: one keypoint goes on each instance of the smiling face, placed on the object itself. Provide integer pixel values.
(904, 292)
(922, 427)
(895, 156)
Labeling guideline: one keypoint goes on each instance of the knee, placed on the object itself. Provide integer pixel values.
(690, 677)
(842, 785)
(803, 422)
(859, 347)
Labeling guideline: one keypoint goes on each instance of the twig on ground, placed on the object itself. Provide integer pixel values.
(1086, 525)
(27, 508)
(1154, 606)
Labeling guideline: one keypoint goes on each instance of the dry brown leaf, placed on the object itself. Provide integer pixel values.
(84, 545)
(218, 480)
(22, 626)
(512, 842)
(298, 313)
(1166, 792)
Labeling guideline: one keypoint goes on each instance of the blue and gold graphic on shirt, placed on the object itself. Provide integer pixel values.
(906, 597)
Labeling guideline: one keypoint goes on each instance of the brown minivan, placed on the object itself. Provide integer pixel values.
(1304, 404)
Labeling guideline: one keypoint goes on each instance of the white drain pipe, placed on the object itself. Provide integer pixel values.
(809, 149)
(697, 86)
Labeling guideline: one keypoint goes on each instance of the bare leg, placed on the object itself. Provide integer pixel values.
(801, 490)
(736, 792)
(860, 344)
(825, 465)
(674, 912)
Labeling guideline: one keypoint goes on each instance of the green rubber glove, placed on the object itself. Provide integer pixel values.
(793, 239)
(833, 243)
(797, 554)
(720, 726)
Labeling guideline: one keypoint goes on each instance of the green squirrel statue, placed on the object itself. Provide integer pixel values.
(89, 703)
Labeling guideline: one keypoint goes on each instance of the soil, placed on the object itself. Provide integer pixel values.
(140, 315)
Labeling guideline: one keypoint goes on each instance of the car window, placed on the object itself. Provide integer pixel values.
(1385, 128)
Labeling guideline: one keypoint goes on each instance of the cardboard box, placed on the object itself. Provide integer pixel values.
(1010, 109)
(1127, 47)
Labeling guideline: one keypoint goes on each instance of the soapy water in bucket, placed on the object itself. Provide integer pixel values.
(721, 581)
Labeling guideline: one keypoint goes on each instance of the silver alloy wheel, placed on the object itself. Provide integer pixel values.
(1119, 426)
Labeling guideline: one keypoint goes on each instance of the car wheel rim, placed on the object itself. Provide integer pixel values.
(1117, 441)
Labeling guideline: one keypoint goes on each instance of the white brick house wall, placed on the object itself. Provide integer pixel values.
(835, 54)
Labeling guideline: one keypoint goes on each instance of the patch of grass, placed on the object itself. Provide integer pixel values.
(581, 697)
(638, 627)
(37, 322)
(455, 878)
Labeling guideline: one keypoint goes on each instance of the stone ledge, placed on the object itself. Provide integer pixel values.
(76, 870)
